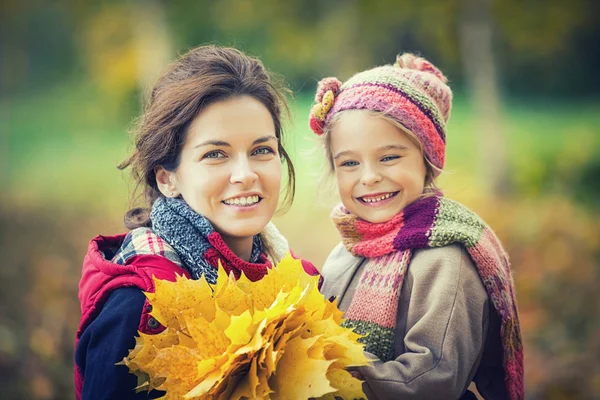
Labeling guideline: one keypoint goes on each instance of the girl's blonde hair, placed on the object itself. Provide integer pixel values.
(432, 172)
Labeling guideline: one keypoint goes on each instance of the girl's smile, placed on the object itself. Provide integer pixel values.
(377, 199)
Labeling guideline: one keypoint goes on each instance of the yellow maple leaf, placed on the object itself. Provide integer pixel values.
(298, 376)
(348, 387)
(275, 338)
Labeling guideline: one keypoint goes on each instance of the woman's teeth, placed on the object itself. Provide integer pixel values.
(376, 199)
(242, 201)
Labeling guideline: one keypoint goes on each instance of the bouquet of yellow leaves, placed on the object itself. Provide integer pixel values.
(277, 338)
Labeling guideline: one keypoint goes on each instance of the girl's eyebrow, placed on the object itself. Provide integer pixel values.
(393, 146)
(388, 147)
(343, 153)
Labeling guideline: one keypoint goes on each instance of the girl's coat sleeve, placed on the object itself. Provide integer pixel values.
(444, 308)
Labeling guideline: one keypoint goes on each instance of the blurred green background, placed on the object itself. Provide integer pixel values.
(523, 148)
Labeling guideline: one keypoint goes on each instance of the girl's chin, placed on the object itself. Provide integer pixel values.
(377, 216)
(376, 219)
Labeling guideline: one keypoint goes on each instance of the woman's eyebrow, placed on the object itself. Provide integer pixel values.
(264, 139)
(219, 143)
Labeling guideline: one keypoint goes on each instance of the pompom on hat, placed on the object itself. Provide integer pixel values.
(412, 91)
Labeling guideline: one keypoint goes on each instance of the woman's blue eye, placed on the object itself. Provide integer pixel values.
(389, 158)
(349, 164)
(214, 154)
(263, 150)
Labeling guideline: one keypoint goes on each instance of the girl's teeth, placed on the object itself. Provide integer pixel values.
(242, 201)
(376, 199)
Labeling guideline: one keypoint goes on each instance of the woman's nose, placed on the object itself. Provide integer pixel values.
(242, 172)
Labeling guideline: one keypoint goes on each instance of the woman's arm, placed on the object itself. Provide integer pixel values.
(105, 342)
(444, 312)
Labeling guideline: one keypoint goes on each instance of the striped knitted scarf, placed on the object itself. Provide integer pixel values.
(388, 247)
(199, 246)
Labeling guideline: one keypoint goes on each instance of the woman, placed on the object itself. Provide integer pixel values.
(208, 154)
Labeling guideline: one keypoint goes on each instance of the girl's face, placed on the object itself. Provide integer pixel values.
(379, 170)
(230, 168)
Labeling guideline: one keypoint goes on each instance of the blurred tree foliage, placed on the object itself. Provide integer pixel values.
(554, 249)
(38, 314)
(538, 43)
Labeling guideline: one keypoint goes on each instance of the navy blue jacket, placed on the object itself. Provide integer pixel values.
(105, 342)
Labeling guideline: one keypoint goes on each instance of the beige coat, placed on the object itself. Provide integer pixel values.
(447, 333)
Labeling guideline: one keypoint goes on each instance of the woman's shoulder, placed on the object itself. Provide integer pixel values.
(123, 307)
(144, 241)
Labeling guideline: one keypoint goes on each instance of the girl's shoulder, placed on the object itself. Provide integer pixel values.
(340, 260)
(449, 264)
(338, 270)
(451, 257)
(451, 252)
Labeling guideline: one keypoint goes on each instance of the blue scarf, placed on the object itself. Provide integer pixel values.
(199, 246)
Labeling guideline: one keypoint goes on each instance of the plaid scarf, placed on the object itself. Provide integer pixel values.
(189, 240)
(388, 247)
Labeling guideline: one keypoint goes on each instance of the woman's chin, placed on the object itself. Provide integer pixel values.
(244, 228)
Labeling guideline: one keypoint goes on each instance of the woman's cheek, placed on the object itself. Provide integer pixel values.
(271, 172)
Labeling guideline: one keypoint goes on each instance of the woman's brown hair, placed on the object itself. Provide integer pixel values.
(202, 76)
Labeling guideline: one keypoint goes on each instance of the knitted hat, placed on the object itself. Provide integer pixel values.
(412, 91)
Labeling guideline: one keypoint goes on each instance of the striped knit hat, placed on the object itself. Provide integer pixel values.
(412, 91)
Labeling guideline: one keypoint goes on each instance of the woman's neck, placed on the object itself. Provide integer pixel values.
(241, 247)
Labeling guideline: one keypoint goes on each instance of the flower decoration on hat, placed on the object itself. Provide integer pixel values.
(327, 89)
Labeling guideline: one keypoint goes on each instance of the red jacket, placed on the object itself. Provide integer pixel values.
(101, 277)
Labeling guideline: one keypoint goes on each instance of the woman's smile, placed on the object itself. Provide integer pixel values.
(243, 202)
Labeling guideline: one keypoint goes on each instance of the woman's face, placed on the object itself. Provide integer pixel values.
(230, 168)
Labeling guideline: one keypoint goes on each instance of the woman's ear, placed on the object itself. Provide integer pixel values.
(166, 181)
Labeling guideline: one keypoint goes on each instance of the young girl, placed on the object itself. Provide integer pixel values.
(208, 154)
(422, 276)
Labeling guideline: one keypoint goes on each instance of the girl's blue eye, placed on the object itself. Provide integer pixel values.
(263, 150)
(349, 164)
(389, 158)
(214, 154)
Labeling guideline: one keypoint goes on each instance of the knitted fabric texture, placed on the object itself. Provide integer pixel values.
(412, 91)
(388, 247)
(199, 246)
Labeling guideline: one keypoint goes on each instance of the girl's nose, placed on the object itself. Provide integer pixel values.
(243, 173)
(370, 176)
